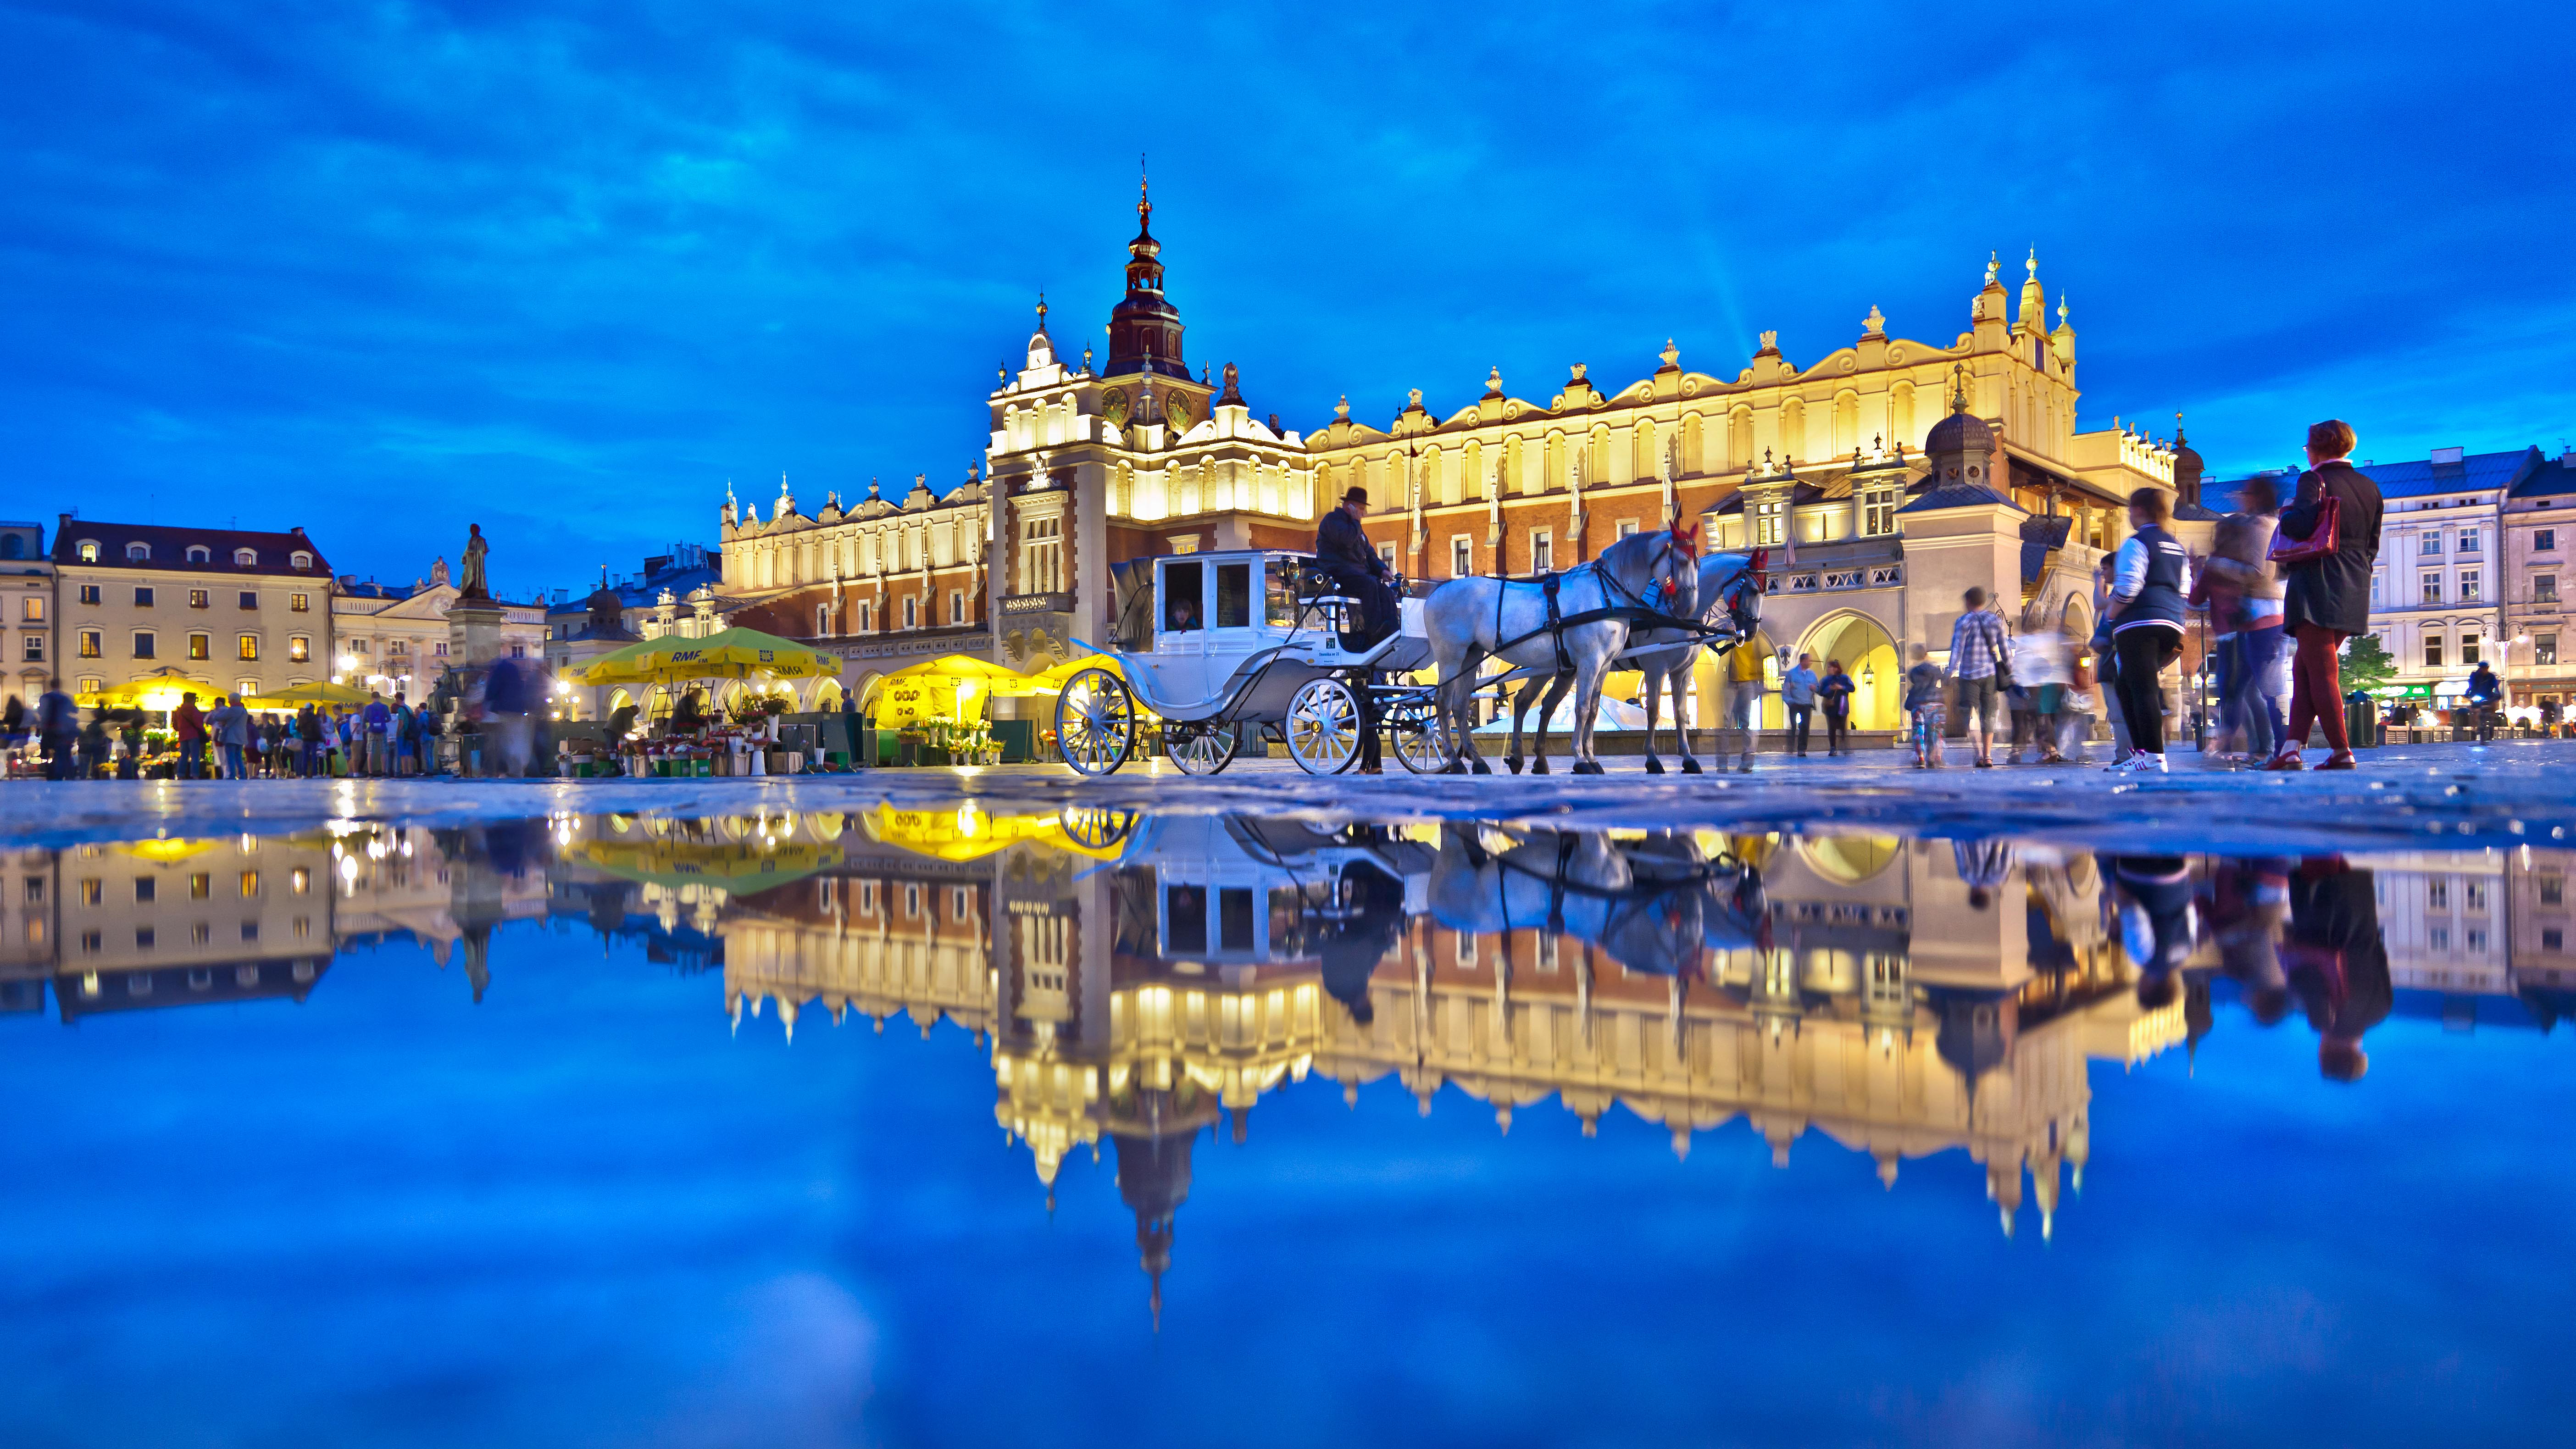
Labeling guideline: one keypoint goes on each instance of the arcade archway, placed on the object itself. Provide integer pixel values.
(1869, 656)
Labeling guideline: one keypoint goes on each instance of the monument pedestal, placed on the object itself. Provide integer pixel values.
(473, 633)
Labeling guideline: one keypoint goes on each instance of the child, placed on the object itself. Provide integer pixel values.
(1923, 686)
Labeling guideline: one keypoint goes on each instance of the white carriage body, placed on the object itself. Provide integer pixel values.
(1234, 637)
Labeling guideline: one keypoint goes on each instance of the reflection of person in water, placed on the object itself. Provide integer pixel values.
(2249, 903)
(1985, 865)
(2153, 894)
(2337, 964)
(1368, 916)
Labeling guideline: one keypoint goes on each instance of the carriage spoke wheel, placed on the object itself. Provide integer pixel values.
(1203, 751)
(1095, 829)
(1323, 727)
(1420, 738)
(1095, 722)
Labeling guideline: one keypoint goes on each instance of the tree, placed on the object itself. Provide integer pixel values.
(2366, 663)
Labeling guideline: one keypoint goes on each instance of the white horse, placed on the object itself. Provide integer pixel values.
(1470, 620)
(1727, 593)
(1654, 905)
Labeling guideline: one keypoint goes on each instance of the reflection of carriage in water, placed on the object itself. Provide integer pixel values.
(1218, 893)
(1227, 649)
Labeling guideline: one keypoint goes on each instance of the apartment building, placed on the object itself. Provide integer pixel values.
(231, 610)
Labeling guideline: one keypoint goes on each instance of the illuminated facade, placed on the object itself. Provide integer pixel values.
(216, 611)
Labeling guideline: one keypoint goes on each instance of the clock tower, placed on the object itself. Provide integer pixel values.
(1150, 379)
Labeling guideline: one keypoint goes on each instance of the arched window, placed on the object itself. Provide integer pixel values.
(199, 553)
(300, 559)
(246, 557)
(138, 552)
(89, 550)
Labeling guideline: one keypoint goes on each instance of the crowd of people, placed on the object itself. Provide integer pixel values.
(2282, 591)
(228, 740)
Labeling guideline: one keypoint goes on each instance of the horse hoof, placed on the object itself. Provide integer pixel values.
(1539, 765)
(1483, 769)
(1690, 766)
(1456, 767)
(1587, 767)
(1654, 766)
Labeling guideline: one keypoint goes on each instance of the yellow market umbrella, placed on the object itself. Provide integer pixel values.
(725, 654)
(1006, 682)
(324, 692)
(159, 689)
(741, 867)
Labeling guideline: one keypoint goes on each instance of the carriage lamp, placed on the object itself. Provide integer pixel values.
(1869, 676)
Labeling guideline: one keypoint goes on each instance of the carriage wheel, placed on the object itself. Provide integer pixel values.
(1421, 739)
(1203, 751)
(1095, 722)
(1095, 829)
(1323, 727)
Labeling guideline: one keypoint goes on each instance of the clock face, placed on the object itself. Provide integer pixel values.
(1113, 406)
(1178, 410)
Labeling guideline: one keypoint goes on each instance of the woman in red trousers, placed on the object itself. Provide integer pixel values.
(2326, 598)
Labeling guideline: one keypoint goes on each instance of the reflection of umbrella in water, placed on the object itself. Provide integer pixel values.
(163, 852)
(742, 867)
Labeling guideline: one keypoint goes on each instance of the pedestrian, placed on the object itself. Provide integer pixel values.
(1798, 692)
(1925, 687)
(230, 725)
(2075, 710)
(188, 723)
(2038, 693)
(1743, 702)
(129, 733)
(57, 725)
(13, 726)
(1834, 693)
(1979, 650)
(426, 720)
(93, 748)
(2486, 696)
(505, 702)
(2326, 587)
(308, 741)
(2150, 580)
(2242, 591)
(379, 722)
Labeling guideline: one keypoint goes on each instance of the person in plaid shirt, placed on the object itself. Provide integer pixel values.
(1978, 645)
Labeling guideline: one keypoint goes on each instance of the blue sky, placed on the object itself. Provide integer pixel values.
(564, 269)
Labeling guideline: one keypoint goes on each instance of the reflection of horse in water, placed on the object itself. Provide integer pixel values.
(1654, 904)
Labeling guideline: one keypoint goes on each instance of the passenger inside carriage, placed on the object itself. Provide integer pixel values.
(1182, 617)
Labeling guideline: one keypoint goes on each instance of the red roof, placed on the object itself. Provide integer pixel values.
(167, 548)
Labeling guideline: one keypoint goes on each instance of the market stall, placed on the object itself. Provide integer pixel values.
(741, 740)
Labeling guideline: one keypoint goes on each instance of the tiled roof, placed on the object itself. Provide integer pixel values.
(1959, 495)
(2548, 480)
(2422, 477)
(169, 548)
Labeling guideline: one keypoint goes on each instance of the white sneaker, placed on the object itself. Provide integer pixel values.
(2139, 762)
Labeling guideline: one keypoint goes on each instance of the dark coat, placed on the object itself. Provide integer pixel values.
(1341, 544)
(2333, 591)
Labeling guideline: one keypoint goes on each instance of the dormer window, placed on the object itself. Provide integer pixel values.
(199, 553)
(246, 557)
(300, 559)
(89, 550)
(138, 552)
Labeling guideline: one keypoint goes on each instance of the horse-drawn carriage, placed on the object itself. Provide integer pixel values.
(1228, 649)
(1231, 648)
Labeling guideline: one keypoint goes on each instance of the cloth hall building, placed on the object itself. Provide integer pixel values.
(1873, 539)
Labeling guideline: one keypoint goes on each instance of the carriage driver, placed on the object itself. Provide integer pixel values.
(1342, 550)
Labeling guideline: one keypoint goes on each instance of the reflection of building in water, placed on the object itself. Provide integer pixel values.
(27, 899)
(156, 923)
(1905, 999)
(2472, 924)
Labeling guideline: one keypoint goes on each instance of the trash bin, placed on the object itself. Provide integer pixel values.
(2361, 720)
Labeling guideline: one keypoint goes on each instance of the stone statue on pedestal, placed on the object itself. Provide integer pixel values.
(474, 584)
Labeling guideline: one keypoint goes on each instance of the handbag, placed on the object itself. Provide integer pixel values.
(2321, 540)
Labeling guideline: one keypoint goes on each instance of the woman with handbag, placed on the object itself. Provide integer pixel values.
(2327, 543)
